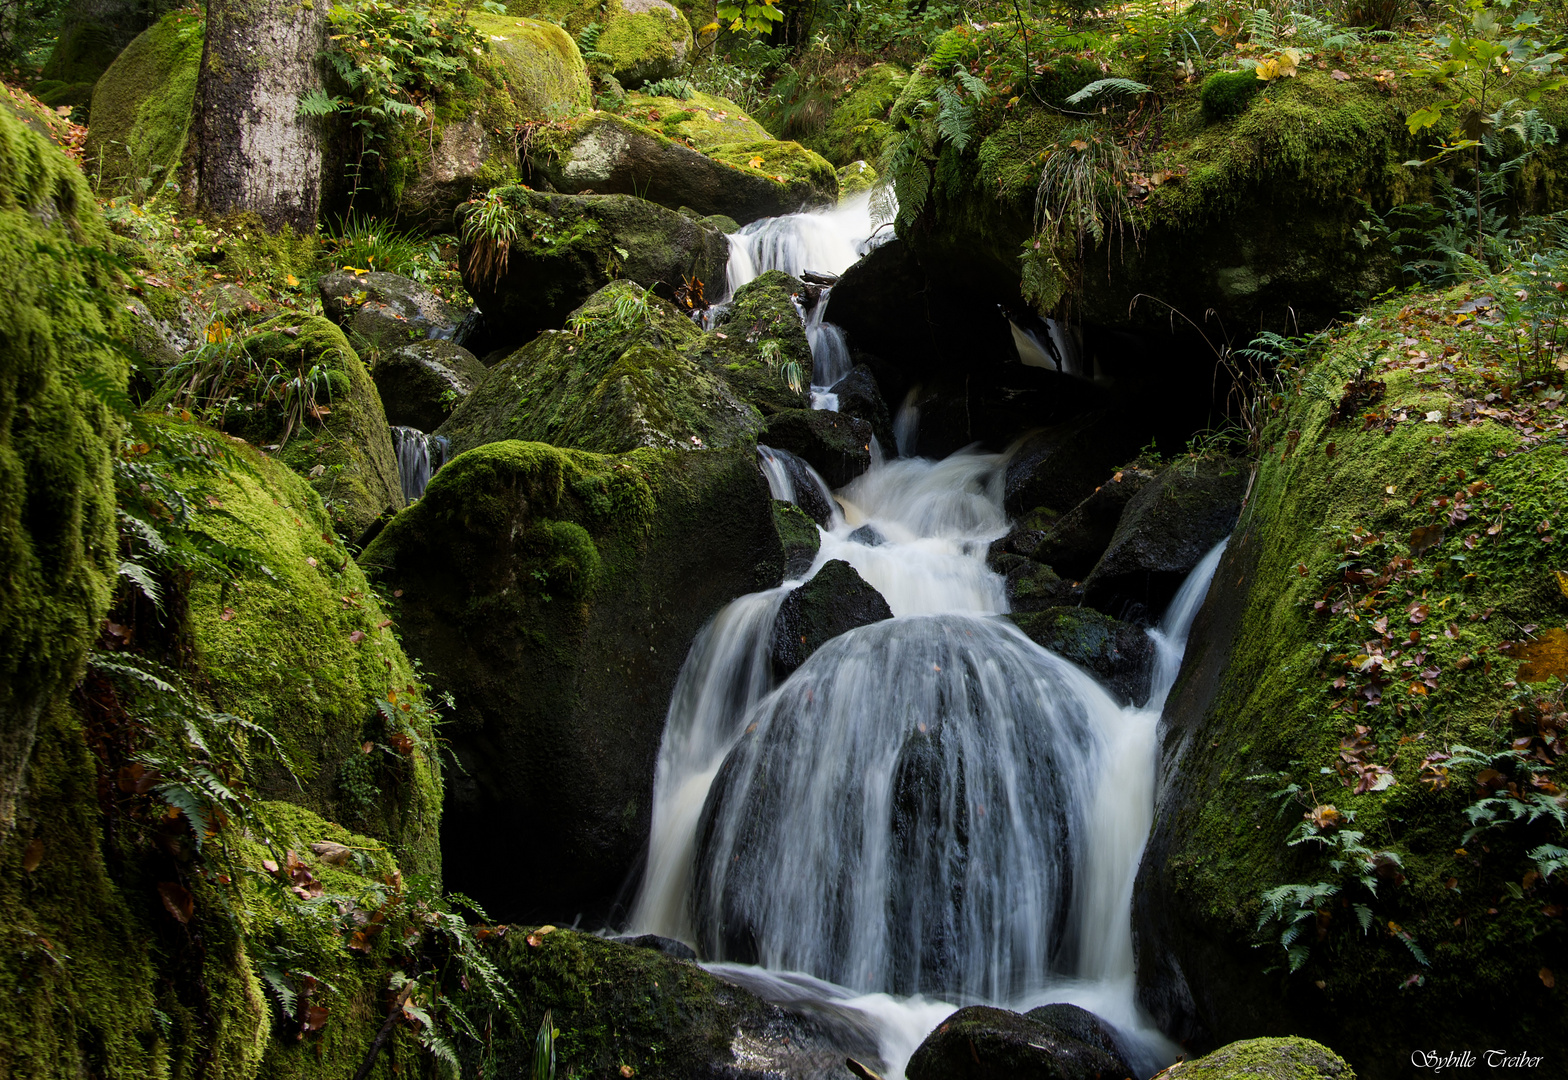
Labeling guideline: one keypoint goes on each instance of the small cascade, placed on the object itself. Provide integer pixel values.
(793, 481)
(906, 425)
(825, 242)
(418, 456)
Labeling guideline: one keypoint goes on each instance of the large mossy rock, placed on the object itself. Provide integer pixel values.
(59, 547)
(346, 453)
(544, 69)
(141, 111)
(621, 1008)
(555, 593)
(1270, 1059)
(381, 311)
(700, 120)
(763, 311)
(568, 247)
(613, 388)
(302, 647)
(836, 599)
(1345, 567)
(979, 1043)
(57, 516)
(609, 154)
(837, 446)
(1166, 530)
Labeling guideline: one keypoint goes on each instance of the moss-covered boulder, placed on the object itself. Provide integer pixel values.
(421, 384)
(142, 105)
(700, 120)
(609, 154)
(555, 593)
(565, 248)
(1288, 1058)
(82, 52)
(980, 1041)
(1377, 610)
(545, 73)
(855, 178)
(1118, 654)
(620, 1008)
(1165, 530)
(645, 40)
(339, 441)
(617, 383)
(302, 647)
(57, 533)
(763, 332)
(836, 600)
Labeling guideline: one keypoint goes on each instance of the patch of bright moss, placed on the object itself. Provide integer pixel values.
(142, 106)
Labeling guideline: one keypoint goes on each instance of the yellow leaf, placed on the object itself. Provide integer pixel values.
(755, 163)
(709, 30)
(290, 280)
(1268, 69)
(1079, 144)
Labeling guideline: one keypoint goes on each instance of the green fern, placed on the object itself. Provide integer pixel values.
(1109, 88)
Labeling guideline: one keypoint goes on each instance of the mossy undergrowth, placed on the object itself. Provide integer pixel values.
(1406, 518)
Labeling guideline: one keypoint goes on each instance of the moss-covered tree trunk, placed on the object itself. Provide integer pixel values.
(250, 149)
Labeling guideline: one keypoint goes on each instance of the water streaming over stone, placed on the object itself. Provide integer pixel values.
(825, 242)
(932, 808)
(418, 456)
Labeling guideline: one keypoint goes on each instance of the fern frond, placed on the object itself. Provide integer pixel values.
(1109, 87)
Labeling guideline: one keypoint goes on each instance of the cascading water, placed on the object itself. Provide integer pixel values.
(932, 807)
(418, 456)
(825, 242)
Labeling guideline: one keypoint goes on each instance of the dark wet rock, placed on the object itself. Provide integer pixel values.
(420, 384)
(814, 502)
(981, 1042)
(1020, 540)
(545, 280)
(1119, 654)
(1033, 586)
(1076, 540)
(679, 950)
(1079, 1023)
(859, 396)
(637, 1008)
(556, 593)
(868, 535)
(838, 447)
(799, 536)
(384, 311)
(1059, 467)
(834, 601)
(1165, 531)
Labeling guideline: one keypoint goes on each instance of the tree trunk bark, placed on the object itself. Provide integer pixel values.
(250, 148)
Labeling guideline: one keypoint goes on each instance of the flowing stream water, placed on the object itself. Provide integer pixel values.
(932, 810)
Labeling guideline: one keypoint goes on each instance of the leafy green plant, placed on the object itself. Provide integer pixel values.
(360, 242)
(680, 89)
(747, 16)
(588, 44)
(544, 1050)
(391, 60)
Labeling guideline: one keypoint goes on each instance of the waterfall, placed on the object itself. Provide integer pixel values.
(825, 242)
(932, 808)
(418, 456)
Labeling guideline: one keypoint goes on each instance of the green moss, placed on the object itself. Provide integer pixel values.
(702, 120)
(545, 72)
(617, 386)
(858, 124)
(763, 333)
(649, 42)
(142, 106)
(1296, 684)
(82, 53)
(1228, 93)
(854, 178)
(304, 650)
(1271, 1059)
(347, 454)
(57, 532)
(782, 162)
